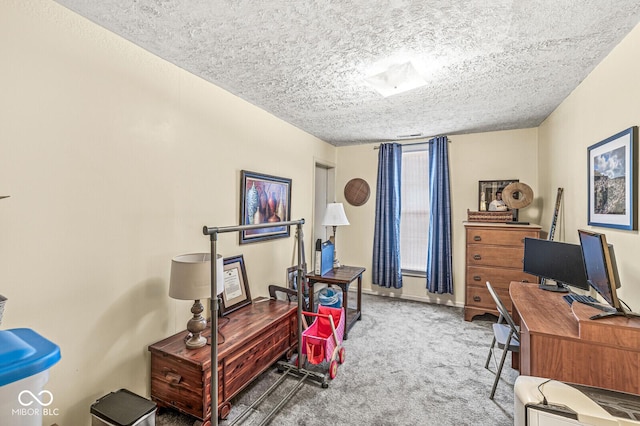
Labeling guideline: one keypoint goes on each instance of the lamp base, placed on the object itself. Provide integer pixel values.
(196, 341)
(196, 326)
(332, 239)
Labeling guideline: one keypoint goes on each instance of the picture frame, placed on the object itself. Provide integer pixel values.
(236, 292)
(487, 190)
(292, 276)
(264, 199)
(612, 174)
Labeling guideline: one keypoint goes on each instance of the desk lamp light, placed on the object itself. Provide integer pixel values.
(335, 216)
(191, 280)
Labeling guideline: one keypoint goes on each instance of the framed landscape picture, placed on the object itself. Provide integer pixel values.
(264, 199)
(612, 180)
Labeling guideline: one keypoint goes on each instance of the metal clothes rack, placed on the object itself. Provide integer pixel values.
(285, 367)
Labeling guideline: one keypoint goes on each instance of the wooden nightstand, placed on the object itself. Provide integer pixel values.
(255, 337)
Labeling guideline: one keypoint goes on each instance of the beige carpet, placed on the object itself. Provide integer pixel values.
(407, 363)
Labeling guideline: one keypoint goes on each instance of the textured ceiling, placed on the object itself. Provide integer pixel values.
(490, 65)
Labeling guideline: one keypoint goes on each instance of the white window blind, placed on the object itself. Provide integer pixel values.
(414, 220)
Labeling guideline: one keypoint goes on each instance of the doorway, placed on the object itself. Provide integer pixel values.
(324, 193)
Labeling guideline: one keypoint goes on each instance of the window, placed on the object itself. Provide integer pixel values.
(414, 215)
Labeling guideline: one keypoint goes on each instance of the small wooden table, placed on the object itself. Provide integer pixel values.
(342, 276)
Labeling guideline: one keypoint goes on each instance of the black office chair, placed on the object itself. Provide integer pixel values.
(506, 335)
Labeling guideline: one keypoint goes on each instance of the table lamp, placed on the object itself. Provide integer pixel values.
(335, 216)
(191, 280)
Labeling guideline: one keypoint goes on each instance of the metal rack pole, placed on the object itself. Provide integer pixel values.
(213, 233)
(302, 280)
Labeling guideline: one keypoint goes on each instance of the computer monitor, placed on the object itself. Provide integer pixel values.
(555, 260)
(602, 270)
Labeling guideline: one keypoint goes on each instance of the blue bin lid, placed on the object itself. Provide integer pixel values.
(23, 353)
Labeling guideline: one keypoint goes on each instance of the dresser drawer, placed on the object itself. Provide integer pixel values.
(499, 237)
(481, 298)
(243, 364)
(178, 384)
(498, 277)
(507, 257)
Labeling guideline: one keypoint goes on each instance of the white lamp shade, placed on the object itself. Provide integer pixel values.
(334, 215)
(191, 276)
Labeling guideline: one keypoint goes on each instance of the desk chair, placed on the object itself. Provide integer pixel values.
(286, 294)
(507, 336)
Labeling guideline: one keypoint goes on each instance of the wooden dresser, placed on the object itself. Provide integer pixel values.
(255, 337)
(494, 253)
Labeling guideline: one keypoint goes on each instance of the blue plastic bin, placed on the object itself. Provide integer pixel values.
(330, 297)
(25, 359)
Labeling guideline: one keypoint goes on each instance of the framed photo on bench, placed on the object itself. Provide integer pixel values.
(236, 292)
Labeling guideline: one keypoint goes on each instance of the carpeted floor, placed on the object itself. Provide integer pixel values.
(407, 363)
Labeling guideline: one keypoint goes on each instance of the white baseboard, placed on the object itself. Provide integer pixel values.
(423, 299)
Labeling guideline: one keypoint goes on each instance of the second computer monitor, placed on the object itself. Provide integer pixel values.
(600, 265)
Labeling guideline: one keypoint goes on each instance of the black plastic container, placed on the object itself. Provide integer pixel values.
(123, 408)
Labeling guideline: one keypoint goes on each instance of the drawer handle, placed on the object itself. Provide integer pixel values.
(525, 281)
(477, 238)
(172, 377)
(477, 298)
(477, 257)
(477, 278)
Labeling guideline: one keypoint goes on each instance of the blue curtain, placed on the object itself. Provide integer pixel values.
(439, 269)
(386, 240)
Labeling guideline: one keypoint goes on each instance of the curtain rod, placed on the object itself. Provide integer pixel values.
(414, 143)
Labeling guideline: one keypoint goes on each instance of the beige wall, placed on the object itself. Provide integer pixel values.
(114, 160)
(484, 156)
(604, 104)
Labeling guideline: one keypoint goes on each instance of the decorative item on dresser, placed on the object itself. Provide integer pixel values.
(494, 253)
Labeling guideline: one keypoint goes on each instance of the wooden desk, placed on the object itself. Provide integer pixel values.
(560, 342)
(342, 277)
(255, 337)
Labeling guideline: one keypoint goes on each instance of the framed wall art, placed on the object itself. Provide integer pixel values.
(292, 276)
(236, 292)
(489, 195)
(612, 180)
(264, 199)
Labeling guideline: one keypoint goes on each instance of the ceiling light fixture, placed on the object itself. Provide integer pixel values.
(398, 78)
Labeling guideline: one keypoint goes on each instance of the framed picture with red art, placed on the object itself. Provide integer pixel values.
(264, 199)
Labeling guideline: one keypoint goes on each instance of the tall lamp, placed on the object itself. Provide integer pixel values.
(191, 280)
(335, 216)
